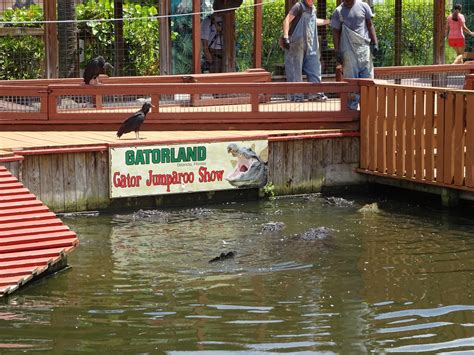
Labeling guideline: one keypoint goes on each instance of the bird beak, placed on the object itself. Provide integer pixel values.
(152, 105)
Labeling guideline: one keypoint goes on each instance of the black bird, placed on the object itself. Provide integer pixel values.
(96, 66)
(134, 122)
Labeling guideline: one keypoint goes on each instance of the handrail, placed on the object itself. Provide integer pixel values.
(434, 68)
(196, 105)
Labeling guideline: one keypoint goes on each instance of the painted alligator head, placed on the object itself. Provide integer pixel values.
(250, 171)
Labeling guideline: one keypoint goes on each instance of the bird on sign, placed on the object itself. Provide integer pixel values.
(96, 66)
(134, 122)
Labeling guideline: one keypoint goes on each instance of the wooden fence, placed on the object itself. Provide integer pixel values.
(419, 134)
(197, 102)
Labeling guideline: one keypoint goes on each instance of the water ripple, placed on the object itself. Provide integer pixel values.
(458, 343)
(425, 313)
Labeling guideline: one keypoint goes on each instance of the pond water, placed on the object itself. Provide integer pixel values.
(393, 278)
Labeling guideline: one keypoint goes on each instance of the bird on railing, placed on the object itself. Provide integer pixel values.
(96, 66)
(134, 122)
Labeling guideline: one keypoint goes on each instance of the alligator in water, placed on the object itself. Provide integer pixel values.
(250, 172)
(223, 256)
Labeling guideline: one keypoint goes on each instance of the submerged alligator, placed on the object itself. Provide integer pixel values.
(223, 256)
(251, 171)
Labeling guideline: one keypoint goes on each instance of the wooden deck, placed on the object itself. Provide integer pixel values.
(40, 140)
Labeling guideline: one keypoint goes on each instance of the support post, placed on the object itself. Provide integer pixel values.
(165, 38)
(51, 39)
(118, 32)
(257, 29)
(196, 37)
(398, 33)
(439, 19)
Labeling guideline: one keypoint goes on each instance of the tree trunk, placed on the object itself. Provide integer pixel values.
(67, 38)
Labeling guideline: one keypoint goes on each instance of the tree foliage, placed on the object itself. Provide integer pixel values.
(141, 36)
(21, 57)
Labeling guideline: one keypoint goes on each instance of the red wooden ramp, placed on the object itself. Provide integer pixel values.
(33, 241)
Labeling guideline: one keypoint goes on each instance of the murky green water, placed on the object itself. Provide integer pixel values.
(396, 280)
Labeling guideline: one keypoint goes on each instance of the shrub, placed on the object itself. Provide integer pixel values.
(21, 57)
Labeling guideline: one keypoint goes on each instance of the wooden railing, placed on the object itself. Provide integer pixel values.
(182, 103)
(423, 135)
(444, 75)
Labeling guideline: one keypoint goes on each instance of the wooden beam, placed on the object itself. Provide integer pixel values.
(257, 31)
(196, 37)
(165, 38)
(21, 31)
(51, 39)
(439, 19)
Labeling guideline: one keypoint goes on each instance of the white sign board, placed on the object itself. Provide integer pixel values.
(180, 168)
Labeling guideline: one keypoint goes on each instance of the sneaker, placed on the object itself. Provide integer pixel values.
(318, 97)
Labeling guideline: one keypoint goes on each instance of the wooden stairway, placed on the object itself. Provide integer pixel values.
(33, 240)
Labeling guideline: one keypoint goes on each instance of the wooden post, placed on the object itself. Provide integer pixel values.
(165, 38)
(438, 31)
(398, 33)
(118, 32)
(51, 39)
(228, 18)
(257, 30)
(196, 37)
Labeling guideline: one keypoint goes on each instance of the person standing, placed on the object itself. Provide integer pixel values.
(300, 42)
(212, 39)
(355, 41)
(455, 28)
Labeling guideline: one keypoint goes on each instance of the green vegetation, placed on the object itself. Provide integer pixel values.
(23, 57)
(141, 36)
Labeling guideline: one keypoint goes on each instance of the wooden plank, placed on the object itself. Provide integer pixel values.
(409, 131)
(92, 190)
(102, 159)
(400, 126)
(22, 210)
(327, 146)
(381, 130)
(288, 166)
(419, 135)
(364, 128)
(29, 230)
(439, 138)
(317, 169)
(459, 142)
(470, 141)
(298, 166)
(46, 179)
(337, 144)
(32, 172)
(372, 128)
(40, 245)
(448, 156)
(307, 159)
(69, 169)
(81, 181)
(429, 137)
(57, 201)
(390, 128)
(279, 154)
(36, 216)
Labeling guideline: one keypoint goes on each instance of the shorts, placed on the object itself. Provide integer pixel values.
(456, 42)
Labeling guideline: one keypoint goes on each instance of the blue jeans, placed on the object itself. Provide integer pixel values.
(297, 61)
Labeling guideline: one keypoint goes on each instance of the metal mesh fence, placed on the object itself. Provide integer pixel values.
(145, 38)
